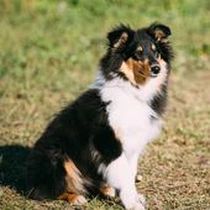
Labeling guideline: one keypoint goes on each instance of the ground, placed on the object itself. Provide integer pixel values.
(49, 55)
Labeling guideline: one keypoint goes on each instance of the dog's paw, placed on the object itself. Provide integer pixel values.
(140, 203)
(141, 199)
(73, 198)
(108, 191)
(136, 202)
(79, 200)
(137, 206)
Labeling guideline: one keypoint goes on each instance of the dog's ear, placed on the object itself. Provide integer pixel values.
(159, 31)
(120, 36)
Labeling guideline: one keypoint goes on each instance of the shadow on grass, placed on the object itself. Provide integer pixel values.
(13, 167)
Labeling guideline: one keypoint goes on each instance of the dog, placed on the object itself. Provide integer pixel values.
(92, 146)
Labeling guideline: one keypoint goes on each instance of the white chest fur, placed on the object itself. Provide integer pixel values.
(129, 116)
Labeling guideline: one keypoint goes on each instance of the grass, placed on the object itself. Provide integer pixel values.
(49, 55)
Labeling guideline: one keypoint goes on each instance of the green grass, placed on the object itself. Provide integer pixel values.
(49, 55)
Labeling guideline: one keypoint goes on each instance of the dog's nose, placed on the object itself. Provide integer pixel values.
(155, 69)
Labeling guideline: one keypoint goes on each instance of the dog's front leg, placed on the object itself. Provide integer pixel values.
(120, 176)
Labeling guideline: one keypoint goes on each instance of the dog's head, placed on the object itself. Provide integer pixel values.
(140, 53)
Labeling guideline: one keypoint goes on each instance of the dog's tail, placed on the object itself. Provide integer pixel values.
(45, 174)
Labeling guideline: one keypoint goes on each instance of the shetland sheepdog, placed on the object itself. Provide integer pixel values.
(93, 145)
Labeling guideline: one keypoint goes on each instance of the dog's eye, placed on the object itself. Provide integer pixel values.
(137, 55)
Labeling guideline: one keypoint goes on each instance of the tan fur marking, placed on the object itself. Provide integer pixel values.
(159, 34)
(153, 47)
(139, 48)
(122, 40)
(118, 133)
(73, 177)
(136, 71)
(106, 190)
